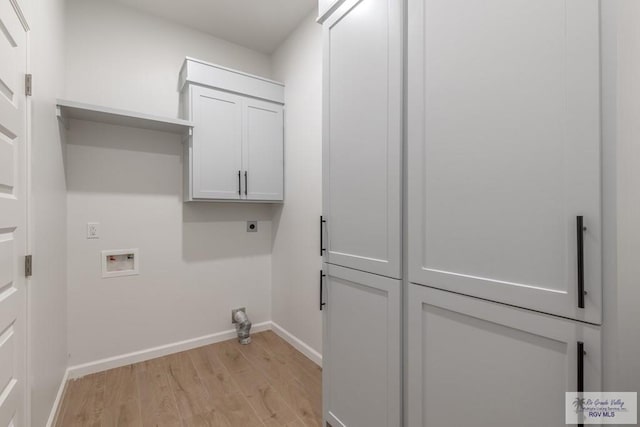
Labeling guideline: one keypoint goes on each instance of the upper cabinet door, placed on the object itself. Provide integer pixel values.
(217, 144)
(362, 135)
(504, 151)
(262, 150)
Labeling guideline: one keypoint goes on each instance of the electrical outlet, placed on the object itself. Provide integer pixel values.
(93, 230)
(234, 311)
(252, 226)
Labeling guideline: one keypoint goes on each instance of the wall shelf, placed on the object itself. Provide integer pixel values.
(95, 113)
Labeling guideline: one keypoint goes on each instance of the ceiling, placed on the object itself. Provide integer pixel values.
(260, 25)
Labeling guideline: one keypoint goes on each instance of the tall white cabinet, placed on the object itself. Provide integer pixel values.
(361, 223)
(504, 152)
(236, 150)
(501, 279)
(504, 227)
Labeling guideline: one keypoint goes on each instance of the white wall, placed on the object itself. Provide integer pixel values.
(629, 196)
(124, 58)
(621, 94)
(48, 286)
(296, 240)
(197, 261)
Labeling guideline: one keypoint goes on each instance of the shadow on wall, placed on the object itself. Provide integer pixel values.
(276, 216)
(212, 230)
(104, 158)
(130, 180)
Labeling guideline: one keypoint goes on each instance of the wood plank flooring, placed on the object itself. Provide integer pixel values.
(266, 383)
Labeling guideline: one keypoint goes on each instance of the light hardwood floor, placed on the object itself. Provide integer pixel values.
(266, 383)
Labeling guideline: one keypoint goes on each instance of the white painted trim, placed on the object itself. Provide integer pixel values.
(211, 75)
(297, 343)
(326, 13)
(21, 15)
(56, 403)
(66, 110)
(232, 70)
(78, 371)
(84, 369)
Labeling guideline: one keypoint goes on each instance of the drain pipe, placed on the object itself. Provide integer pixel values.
(243, 327)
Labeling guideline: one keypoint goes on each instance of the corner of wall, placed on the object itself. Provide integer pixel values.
(47, 214)
(295, 260)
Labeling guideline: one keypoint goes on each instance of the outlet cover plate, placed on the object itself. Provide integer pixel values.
(234, 311)
(93, 230)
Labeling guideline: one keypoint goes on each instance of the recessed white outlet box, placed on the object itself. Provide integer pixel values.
(93, 230)
(120, 262)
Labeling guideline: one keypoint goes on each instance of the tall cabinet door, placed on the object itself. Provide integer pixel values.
(362, 134)
(361, 349)
(263, 151)
(479, 363)
(216, 144)
(504, 151)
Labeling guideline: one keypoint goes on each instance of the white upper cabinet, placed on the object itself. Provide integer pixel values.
(504, 151)
(362, 136)
(236, 150)
(216, 147)
(262, 150)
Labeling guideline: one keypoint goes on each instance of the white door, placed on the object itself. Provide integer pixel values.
(362, 135)
(478, 363)
(361, 373)
(504, 151)
(13, 169)
(217, 144)
(263, 150)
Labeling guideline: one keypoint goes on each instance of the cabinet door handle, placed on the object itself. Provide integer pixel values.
(580, 229)
(580, 366)
(322, 303)
(580, 385)
(239, 184)
(322, 222)
(246, 185)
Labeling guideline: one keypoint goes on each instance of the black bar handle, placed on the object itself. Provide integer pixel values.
(246, 185)
(580, 384)
(580, 366)
(322, 222)
(322, 303)
(239, 184)
(580, 236)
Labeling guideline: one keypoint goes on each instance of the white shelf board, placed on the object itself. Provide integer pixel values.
(96, 113)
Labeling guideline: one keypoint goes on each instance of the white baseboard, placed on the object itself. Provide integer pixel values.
(78, 371)
(56, 403)
(84, 369)
(297, 343)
